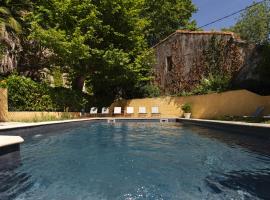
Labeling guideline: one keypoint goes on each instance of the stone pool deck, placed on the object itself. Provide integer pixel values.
(16, 125)
(226, 122)
(10, 140)
(256, 129)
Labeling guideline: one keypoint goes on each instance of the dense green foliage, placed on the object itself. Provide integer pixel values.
(101, 43)
(216, 83)
(105, 43)
(3, 84)
(167, 16)
(211, 84)
(254, 26)
(264, 65)
(9, 17)
(254, 23)
(25, 94)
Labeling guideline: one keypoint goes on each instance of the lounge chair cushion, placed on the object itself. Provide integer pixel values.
(142, 110)
(94, 110)
(155, 110)
(105, 110)
(130, 110)
(117, 110)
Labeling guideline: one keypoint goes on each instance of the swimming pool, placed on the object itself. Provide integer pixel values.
(137, 161)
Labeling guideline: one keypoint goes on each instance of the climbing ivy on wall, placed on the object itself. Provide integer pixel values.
(222, 57)
(213, 70)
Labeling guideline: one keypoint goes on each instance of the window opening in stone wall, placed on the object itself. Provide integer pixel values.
(169, 63)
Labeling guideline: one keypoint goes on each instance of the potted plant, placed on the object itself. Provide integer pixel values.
(187, 110)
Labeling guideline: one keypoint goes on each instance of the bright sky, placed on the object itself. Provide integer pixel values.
(210, 10)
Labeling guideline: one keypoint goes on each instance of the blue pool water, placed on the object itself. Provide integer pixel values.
(137, 161)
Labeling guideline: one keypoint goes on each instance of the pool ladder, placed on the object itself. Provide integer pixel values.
(164, 120)
(111, 121)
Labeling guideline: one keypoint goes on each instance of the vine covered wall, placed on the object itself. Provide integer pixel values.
(185, 58)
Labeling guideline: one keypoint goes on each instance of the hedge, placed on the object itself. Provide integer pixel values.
(24, 94)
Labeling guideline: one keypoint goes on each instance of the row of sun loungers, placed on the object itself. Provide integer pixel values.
(118, 110)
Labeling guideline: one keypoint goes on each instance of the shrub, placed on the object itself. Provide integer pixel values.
(150, 91)
(210, 85)
(186, 108)
(213, 84)
(3, 84)
(25, 94)
(68, 100)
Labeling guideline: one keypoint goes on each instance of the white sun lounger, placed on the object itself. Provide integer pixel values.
(105, 111)
(117, 110)
(154, 110)
(93, 110)
(142, 110)
(130, 110)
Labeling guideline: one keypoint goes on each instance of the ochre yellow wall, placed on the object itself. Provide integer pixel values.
(3, 105)
(40, 116)
(233, 103)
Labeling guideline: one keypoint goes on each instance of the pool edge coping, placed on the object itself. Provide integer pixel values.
(19, 125)
(252, 129)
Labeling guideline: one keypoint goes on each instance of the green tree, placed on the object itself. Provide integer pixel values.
(69, 30)
(254, 23)
(106, 43)
(167, 16)
(119, 68)
(103, 38)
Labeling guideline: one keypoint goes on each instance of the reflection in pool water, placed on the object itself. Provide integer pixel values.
(139, 161)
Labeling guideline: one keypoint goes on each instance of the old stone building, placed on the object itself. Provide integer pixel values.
(185, 57)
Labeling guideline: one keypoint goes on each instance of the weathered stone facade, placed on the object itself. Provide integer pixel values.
(183, 58)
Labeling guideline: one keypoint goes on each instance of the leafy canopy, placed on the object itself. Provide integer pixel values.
(254, 23)
(167, 16)
(107, 42)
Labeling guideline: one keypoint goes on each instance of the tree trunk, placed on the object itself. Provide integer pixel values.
(78, 82)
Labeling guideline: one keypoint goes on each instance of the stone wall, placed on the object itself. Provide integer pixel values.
(181, 58)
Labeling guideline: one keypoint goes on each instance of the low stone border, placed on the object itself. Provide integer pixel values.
(17, 125)
(10, 140)
(254, 129)
(6, 126)
(10, 144)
